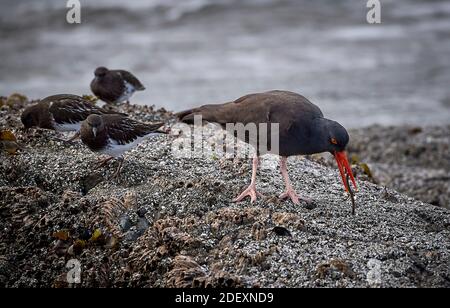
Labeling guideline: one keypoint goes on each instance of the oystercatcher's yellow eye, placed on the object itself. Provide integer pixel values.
(334, 141)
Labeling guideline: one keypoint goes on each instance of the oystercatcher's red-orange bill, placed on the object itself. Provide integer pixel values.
(344, 168)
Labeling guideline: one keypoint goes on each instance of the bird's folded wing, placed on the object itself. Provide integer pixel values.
(72, 110)
(109, 89)
(125, 130)
(253, 108)
(131, 79)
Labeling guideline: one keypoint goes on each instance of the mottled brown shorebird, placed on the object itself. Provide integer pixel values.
(303, 130)
(115, 134)
(114, 86)
(62, 112)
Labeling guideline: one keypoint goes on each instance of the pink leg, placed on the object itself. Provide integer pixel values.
(251, 189)
(289, 193)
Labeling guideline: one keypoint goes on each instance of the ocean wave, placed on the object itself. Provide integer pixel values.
(26, 15)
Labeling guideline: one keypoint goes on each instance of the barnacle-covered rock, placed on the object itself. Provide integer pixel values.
(169, 221)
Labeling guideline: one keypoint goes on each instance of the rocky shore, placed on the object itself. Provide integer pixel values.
(412, 160)
(169, 222)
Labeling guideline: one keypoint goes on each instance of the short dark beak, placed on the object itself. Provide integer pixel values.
(344, 168)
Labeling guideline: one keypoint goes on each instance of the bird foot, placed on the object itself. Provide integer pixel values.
(116, 175)
(291, 194)
(251, 192)
(102, 162)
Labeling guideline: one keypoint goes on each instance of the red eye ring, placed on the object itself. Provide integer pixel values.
(334, 141)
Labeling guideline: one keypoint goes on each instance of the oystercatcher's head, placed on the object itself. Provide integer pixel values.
(100, 71)
(336, 140)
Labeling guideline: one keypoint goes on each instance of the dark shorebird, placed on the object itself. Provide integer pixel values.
(62, 112)
(302, 131)
(114, 86)
(115, 134)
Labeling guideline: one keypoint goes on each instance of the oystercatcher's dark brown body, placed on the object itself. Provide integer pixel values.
(62, 112)
(302, 129)
(114, 86)
(115, 134)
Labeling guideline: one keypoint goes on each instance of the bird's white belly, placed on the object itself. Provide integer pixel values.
(68, 127)
(115, 149)
(128, 93)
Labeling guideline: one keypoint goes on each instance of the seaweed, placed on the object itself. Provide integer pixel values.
(8, 142)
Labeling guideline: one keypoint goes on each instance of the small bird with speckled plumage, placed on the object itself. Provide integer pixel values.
(61, 112)
(114, 134)
(115, 86)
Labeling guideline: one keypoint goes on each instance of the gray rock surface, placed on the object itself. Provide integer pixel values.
(412, 160)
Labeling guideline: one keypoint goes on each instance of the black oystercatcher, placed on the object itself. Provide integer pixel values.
(115, 134)
(302, 130)
(62, 112)
(114, 86)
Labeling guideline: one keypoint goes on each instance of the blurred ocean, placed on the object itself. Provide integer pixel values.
(191, 52)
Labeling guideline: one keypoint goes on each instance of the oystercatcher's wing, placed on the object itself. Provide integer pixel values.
(270, 107)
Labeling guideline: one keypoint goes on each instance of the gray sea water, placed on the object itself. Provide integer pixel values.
(191, 52)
